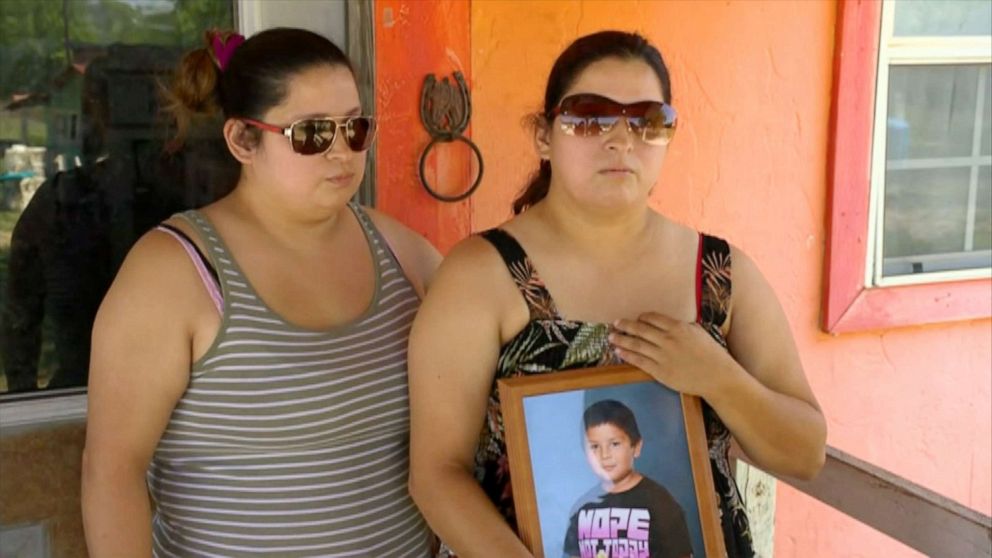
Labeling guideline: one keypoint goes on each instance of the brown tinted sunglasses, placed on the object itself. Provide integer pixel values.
(586, 114)
(313, 136)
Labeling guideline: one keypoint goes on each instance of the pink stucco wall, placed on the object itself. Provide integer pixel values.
(752, 86)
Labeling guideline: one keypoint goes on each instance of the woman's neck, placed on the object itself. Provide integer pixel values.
(272, 216)
(612, 233)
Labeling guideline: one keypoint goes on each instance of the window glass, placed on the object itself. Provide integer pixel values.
(936, 214)
(983, 210)
(987, 116)
(943, 18)
(925, 211)
(932, 111)
(926, 216)
(84, 171)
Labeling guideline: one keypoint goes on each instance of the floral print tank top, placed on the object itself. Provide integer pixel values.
(550, 343)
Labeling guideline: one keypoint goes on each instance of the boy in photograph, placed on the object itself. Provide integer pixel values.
(626, 515)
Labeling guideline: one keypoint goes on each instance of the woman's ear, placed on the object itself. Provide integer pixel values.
(239, 140)
(542, 137)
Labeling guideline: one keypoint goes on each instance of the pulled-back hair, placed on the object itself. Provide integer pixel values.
(569, 65)
(254, 79)
(611, 411)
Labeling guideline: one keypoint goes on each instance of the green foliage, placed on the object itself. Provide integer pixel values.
(31, 44)
(36, 39)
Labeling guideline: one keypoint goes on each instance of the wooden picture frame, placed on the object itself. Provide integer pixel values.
(550, 473)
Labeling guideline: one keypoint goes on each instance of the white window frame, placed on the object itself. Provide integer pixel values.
(894, 51)
(42, 408)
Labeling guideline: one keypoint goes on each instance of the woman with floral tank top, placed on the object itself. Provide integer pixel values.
(588, 274)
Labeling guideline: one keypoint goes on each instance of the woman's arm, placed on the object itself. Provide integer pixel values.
(139, 368)
(758, 388)
(454, 347)
(770, 410)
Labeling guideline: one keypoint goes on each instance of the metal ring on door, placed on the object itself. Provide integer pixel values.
(423, 161)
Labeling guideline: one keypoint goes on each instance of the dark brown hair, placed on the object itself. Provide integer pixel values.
(576, 58)
(254, 79)
(610, 411)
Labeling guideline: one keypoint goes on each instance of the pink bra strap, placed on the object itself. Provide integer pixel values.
(201, 269)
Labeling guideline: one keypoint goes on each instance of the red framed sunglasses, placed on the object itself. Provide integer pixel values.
(314, 136)
(589, 115)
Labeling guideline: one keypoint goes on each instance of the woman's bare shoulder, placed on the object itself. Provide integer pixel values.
(473, 258)
(157, 278)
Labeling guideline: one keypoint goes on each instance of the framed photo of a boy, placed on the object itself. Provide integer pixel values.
(606, 462)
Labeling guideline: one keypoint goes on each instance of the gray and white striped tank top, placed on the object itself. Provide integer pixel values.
(291, 442)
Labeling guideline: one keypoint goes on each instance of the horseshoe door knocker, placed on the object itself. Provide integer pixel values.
(445, 110)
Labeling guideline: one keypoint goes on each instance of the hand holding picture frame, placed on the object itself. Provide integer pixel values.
(607, 459)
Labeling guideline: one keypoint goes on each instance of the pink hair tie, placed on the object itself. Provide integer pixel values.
(224, 49)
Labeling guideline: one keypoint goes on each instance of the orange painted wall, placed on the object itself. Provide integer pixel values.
(414, 39)
(752, 85)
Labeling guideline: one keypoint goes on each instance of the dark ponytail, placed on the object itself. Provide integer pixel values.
(253, 79)
(576, 58)
(536, 189)
(192, 92)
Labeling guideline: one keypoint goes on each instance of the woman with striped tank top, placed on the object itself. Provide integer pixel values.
(249, 361)
(628, 283)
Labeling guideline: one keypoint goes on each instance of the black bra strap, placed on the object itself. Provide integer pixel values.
(524, 275)
(715, 280)
(507, 246)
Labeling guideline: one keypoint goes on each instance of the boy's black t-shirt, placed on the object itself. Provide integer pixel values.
(643, 522)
